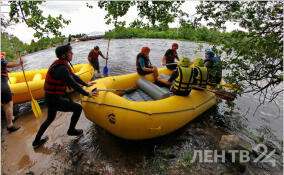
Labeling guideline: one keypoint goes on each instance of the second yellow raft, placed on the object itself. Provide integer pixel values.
(36, 80)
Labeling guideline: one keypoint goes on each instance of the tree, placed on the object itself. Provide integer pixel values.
(10, 44)
(115, 10)
(29, 12)
(255, 56)
(162, 12)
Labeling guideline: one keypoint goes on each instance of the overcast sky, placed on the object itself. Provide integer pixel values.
(83, 19)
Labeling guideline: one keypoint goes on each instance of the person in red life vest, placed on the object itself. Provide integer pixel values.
(58, 77)
(93, 59)
(170, 57)
(144, 65)
(6, 95)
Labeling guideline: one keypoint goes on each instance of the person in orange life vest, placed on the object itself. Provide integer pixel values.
(6, 94)
(93, 58)
(58, 77)
(170, 57)
(144, 65)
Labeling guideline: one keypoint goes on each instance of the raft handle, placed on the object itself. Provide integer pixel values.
(156, 129)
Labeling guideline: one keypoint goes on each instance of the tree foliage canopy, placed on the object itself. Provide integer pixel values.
(30, 13)
(162, 12)
(254, 58)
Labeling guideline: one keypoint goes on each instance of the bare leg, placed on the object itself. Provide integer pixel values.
(8, 108)
(156, 74)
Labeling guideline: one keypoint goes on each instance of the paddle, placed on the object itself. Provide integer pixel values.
(127, 91)
(222, 94)
(35, 107)
(229, 86)
(105, 68)
(171, 64)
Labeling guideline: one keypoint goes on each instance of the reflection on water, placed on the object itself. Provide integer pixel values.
(97, 151)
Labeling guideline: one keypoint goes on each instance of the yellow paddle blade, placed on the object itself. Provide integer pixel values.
(35, 107)
(230, 86)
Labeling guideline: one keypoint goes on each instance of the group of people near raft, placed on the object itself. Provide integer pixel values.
(184, 76)
(60, 76)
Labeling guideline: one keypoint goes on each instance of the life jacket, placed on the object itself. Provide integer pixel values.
(172, 56)
(52, 86)
(184, 80)
(94, 55)
(4, 71)
(212, 60)
(202, 76)
(146, 61)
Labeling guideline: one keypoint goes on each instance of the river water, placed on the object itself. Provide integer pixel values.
(103, 153)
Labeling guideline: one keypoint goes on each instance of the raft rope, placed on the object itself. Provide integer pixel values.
(120, 107)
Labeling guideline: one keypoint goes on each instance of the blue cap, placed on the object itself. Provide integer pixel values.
(210, 53)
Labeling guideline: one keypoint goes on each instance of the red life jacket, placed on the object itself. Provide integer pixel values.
(4, 71)
(94, 55)
(172, 56)
(146, 60)
(52, 86)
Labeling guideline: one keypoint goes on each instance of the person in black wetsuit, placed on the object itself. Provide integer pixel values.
(58, 77)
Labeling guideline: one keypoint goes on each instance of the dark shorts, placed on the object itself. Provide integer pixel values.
(172, 67)
(141, 72)
(96, 64)
(6, 94)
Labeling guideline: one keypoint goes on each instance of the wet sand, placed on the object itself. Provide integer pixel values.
(18, 155)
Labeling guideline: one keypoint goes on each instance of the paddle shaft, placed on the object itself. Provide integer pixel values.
(25, 75)
(95, 89)
(171, 64)
(127, 91)
(107, 50)
(224, 95)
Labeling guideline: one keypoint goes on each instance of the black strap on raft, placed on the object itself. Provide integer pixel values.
(180, 79)
(201, 78)
(190, 77)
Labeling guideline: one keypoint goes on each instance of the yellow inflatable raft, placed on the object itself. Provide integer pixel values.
(142, 119)
(36, 80)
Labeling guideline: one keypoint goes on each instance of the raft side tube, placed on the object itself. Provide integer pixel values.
(12, 80)
(37, 77)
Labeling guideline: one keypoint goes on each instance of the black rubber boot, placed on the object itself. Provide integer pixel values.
(15, 118)
(37, 144)
(74, 132)
(13, 128)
